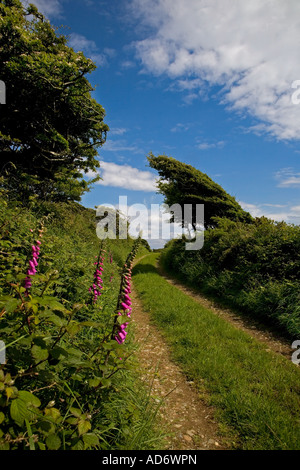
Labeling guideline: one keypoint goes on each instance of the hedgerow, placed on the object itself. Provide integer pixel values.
(253, 267)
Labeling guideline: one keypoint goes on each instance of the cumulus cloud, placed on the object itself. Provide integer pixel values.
(289, 214)
(80, 43)
(125, 176)
(49, 8)
(249, 49)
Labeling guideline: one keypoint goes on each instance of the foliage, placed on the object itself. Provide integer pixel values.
(182, 184)
(51, 127)
(63, 364)
(254, 267)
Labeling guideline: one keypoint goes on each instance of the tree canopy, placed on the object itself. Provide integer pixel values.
(183, 184)
(50, 126)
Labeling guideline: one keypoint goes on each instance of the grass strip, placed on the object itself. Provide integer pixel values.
(255, 392)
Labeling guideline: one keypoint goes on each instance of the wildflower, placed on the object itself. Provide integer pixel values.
(124, 300)
(97, 285)
(33, 262)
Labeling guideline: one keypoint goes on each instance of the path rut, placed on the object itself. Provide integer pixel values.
(187, 420)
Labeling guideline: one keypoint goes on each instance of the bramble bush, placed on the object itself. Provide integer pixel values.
(64, 311)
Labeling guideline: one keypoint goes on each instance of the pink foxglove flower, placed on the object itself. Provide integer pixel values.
(33, 263)
(97, 285)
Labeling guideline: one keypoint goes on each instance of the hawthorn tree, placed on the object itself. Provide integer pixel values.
(50, 126)
(183, 184)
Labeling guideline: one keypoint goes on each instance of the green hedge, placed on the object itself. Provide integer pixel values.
(253, 267)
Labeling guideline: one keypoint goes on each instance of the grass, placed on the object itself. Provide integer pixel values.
(255, 392)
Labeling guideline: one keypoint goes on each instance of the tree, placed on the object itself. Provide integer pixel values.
(183, 184)
(50, 126)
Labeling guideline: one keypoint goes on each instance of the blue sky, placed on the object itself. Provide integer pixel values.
(206, 82)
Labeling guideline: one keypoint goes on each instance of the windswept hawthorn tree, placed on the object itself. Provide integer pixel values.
(50, 126)
(183, 184)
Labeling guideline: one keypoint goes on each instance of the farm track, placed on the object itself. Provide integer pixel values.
(272, 340)
(187, 420)
(185, 415)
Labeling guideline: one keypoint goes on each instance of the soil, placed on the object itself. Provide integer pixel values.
(185, 415)
(185, 418)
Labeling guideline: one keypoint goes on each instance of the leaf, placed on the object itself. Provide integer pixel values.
(54, 318)
(39, 353)
(94, 382)
(79, 445)
(4, 445)
(83, 426)
(53, 442)
(73, 328)
(18, 411)
(72, 420)
(10, 391)
(105, 383)
(51, 302)
(31, 441)
(32, 306)
(53, 413)
(29, 398)
(11, 304)
(90, 439)
(76, 412)
(58, 353)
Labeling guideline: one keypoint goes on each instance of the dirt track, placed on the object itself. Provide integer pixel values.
(184, 412)
(187, 419)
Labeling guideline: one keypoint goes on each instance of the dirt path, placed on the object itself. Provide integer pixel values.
(271, 339)
(188, 420)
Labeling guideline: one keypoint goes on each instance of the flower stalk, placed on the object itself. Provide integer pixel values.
(33, 262)
(124, 303)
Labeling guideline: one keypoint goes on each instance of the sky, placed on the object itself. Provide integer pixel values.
(212, 83)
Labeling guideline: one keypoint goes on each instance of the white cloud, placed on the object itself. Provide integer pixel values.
(292, 181)
(180, 127)
(290, 214)
(210, 145)
(125, 176)
(49, 8)
(117, 131)
(249, 49)
(288, 178)
(121, 146)
(80, 43)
